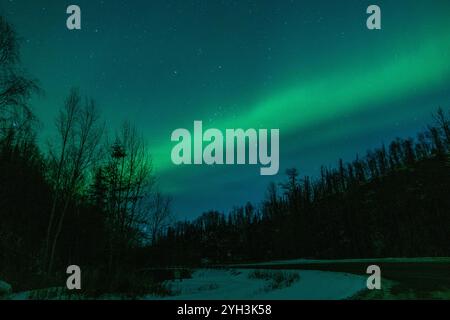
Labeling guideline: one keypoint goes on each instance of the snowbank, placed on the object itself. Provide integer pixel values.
(237, 285)
(242, 284)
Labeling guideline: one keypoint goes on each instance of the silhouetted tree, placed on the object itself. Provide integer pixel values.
(15, 87)
(79, 142)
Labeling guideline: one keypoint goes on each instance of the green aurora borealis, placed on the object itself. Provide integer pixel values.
(309, 68)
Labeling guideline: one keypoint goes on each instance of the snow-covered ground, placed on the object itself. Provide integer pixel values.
(241, 284)
(237, 283)
(216, 284)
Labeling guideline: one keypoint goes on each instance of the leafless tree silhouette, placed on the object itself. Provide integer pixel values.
(15, 88)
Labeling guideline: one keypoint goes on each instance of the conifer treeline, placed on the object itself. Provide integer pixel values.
(392, 202)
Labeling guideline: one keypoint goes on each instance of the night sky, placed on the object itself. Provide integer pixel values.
(310, 68)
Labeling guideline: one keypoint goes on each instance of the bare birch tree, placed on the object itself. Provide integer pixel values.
(159, 215)
(79, 134)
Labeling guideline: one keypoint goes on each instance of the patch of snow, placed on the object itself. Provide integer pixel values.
(5, 288)
(19, 296)
(236, 284)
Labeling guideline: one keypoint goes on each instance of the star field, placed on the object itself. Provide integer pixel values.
(310, 68)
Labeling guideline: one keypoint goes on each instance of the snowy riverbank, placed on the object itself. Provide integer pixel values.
(239, 284)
